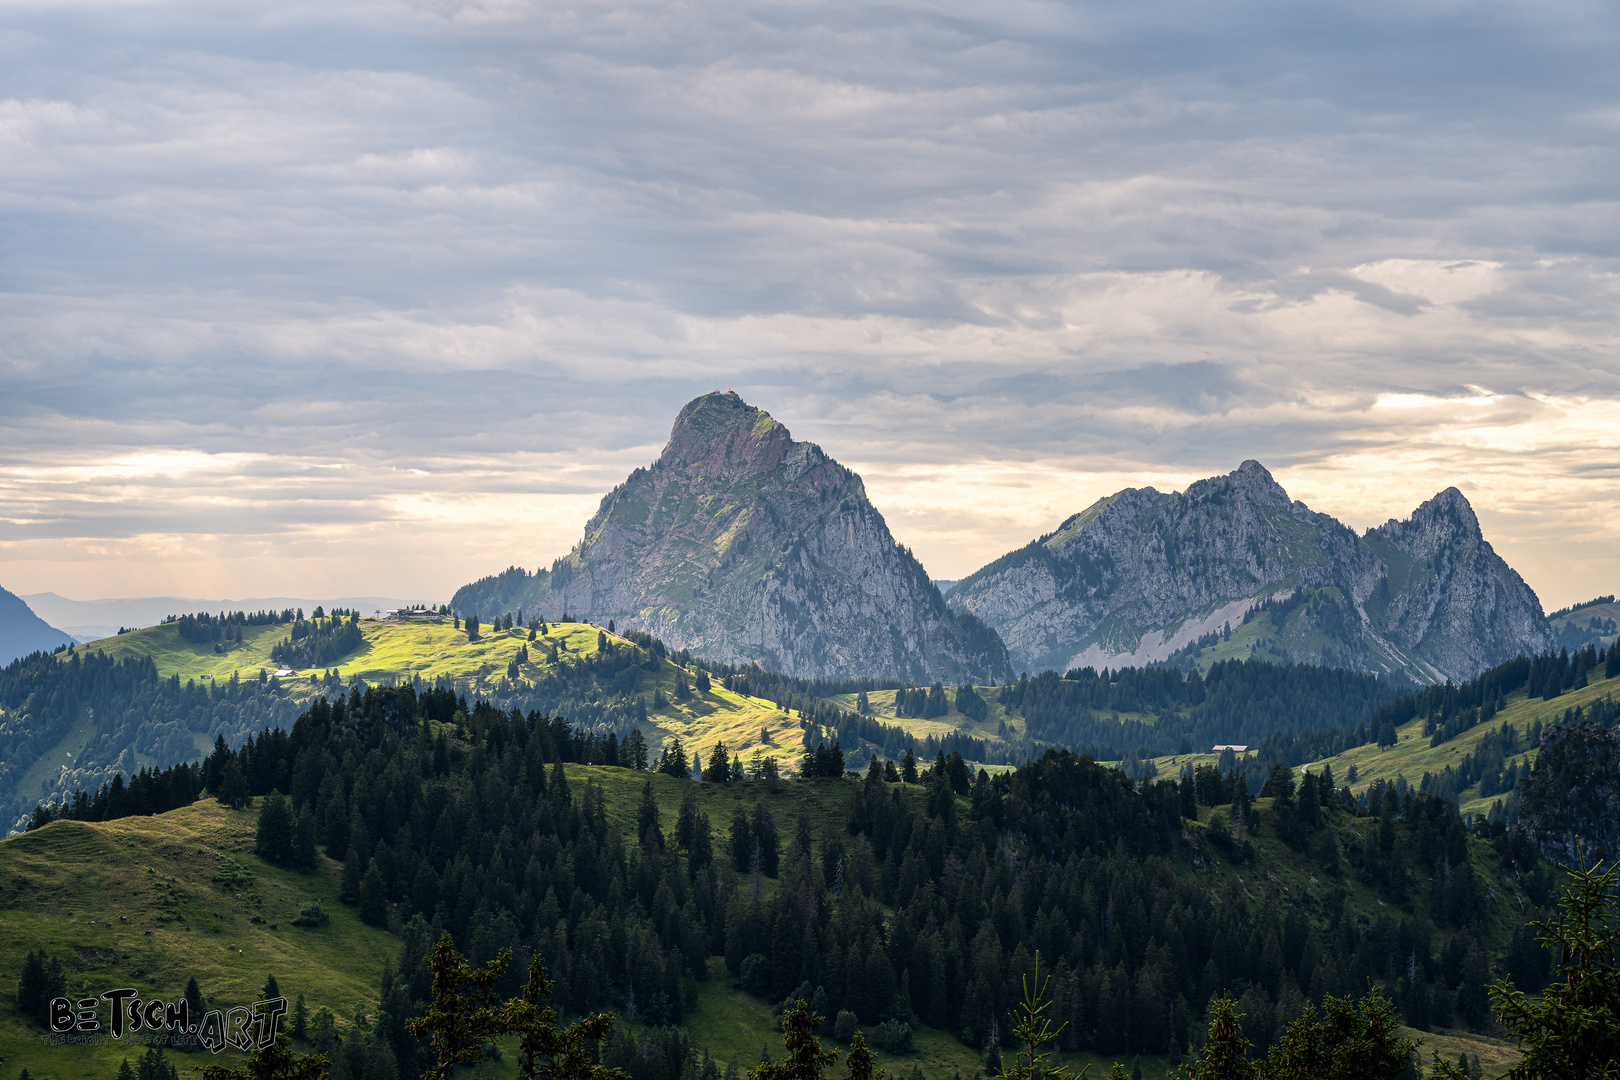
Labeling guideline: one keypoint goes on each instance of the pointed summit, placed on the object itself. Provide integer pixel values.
(742, 545)
(1250, 480)
(1253, 472)
(715, 414)
(722, 432)
(1451, 595)
(1451, 506)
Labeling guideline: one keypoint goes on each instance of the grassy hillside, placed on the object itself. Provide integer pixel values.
(149, 902)
(393, 652)
(155, 880)
(881, 707)
(1412, 756)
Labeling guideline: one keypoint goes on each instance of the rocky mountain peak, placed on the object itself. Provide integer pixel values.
(1250, 480)
(720, 434)
(1251, 471)
(743, 545)
(1449, 508)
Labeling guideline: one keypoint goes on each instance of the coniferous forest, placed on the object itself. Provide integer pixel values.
(926, 908)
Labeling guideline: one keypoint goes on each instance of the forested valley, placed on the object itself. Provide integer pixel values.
(116, 709)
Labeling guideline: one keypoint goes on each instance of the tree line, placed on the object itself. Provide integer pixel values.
(318, 641)
(203, 628)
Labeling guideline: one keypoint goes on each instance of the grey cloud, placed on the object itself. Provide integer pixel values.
(400, 236)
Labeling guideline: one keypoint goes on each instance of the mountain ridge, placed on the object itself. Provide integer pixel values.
(1142, 576)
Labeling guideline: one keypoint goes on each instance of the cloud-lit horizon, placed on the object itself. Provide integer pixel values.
(382, 297)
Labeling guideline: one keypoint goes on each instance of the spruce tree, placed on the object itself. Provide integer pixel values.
(741, 846)
(1226, 1054)
(647, 817)
(1033, 1029)
(349, 886)
(718, 770)
(805, 1058)
(233, 787)
(275, 833)
(275, 1062)
(1348, 1040)
(31, 984)
(686, 821)
(1573, 1029)
(373, 897)
(305, 854)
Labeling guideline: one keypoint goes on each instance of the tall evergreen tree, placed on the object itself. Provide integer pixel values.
(275, 833)
(196, 1004)
(1573, 1030)
(373, 897)
(718, 770)
(647, 825)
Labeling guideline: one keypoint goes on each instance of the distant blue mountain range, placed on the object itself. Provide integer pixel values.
(22, 632)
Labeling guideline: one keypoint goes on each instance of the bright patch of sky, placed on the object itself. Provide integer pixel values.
(381, 297)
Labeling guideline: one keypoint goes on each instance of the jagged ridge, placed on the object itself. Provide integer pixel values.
(1144, 575)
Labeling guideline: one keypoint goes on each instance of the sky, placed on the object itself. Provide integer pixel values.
(381, 297)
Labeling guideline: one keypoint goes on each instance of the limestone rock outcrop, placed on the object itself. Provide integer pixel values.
(742, 545)
(1233, 567)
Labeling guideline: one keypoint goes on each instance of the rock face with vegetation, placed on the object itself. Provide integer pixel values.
(1233, 568)
(741, 545)
(1574, 793)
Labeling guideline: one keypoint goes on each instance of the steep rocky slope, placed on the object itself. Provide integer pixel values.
(1232, 566)
(743, 545)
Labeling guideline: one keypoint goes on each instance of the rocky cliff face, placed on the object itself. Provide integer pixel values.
(1446, 597)
(743, 545)
(1233, 567)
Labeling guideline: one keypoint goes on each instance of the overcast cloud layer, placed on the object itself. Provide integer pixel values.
(308, 298)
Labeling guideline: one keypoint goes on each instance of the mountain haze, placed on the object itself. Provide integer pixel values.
(22, 632)
(741, 545)
(1142, 576)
